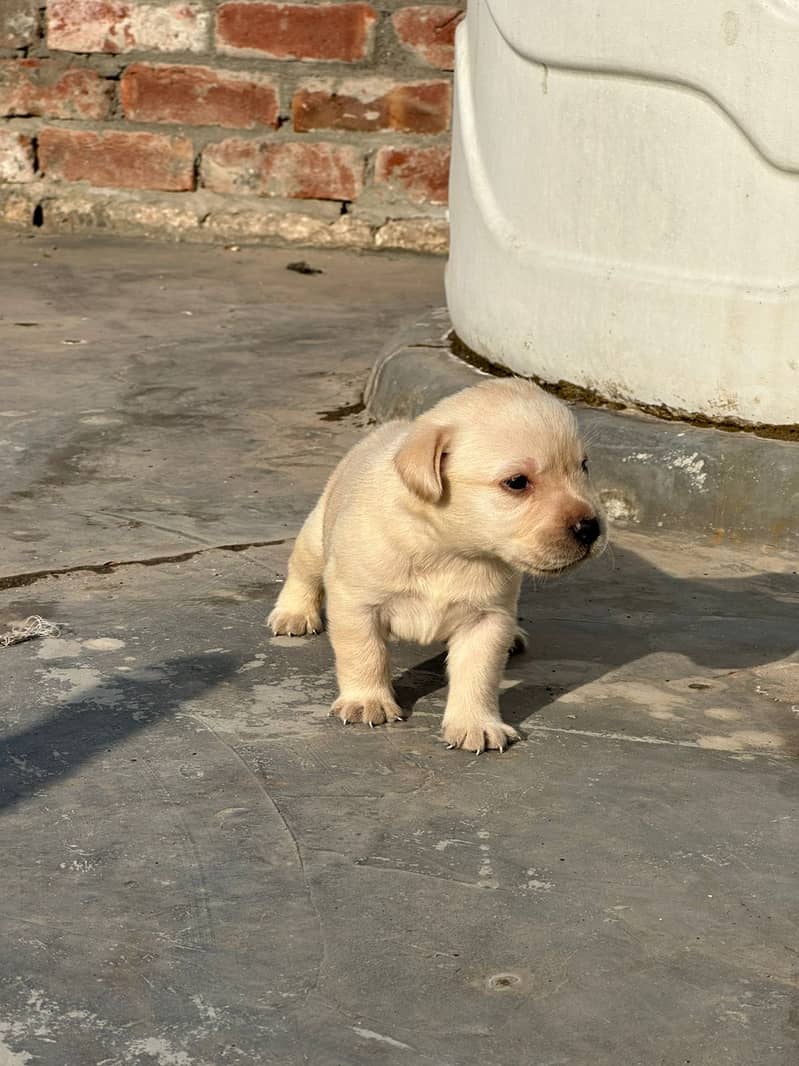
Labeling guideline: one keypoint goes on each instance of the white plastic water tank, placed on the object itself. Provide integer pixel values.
(625, 199)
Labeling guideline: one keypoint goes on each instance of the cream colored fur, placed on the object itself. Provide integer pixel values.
(417, 537)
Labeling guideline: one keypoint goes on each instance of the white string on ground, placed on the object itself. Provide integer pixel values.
(34, 626)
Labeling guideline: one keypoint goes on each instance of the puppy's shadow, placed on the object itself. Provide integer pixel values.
(418, 681)
(624, 609)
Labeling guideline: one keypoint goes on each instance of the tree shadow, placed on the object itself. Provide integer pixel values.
(622, 609)
(79, 730)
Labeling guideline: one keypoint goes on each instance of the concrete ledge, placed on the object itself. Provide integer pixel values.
(204, 217)
(652, 474)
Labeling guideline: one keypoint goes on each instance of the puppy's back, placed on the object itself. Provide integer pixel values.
(365, 478)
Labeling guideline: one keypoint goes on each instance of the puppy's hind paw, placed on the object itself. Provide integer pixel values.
(294, 624)
(371, 710)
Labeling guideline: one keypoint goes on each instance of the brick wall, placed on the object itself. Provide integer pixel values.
(320, 123)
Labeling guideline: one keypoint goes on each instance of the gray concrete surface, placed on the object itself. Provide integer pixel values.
(653, 474)
(201, 868)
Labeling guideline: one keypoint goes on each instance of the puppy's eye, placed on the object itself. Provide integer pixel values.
(517, 483)
(584, 465)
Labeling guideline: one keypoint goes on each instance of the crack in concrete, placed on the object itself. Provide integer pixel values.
(264, 791)
(15, 581)
(348, 1016)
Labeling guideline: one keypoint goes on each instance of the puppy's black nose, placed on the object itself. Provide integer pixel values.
(586, 531)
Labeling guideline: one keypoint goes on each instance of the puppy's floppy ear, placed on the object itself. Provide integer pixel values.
(420, 460)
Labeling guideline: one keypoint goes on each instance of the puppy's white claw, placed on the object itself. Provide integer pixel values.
(451, 747)
(371, 725)
(520, 642)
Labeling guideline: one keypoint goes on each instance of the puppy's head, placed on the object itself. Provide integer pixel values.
(503, 472)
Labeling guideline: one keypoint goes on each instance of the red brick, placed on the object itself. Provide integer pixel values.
(127, 26)
(46, 88)
(318, 171)
(296, 31)
(429, 32)
(374, 104)
(16, 157)
(421, 175)
(19, 23)
(198, 96)
(118, 160)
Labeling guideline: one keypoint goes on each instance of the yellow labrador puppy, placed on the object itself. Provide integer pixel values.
(424, 532)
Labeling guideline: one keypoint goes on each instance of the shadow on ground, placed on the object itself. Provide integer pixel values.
(720, 624)
(82, 729)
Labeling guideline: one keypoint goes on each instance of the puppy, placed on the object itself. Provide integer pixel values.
(424, 532)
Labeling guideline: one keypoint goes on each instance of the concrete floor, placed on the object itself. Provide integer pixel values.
(201, 868)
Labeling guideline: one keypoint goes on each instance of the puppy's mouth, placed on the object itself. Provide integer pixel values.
(552, 565)
(553, 569)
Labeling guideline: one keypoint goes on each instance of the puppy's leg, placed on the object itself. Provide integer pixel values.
(477, 654)
(297, 609)
(362, 664)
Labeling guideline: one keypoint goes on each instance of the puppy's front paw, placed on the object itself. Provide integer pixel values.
(520, 642)
(478, 734)
(294, 624)
(371, 710)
